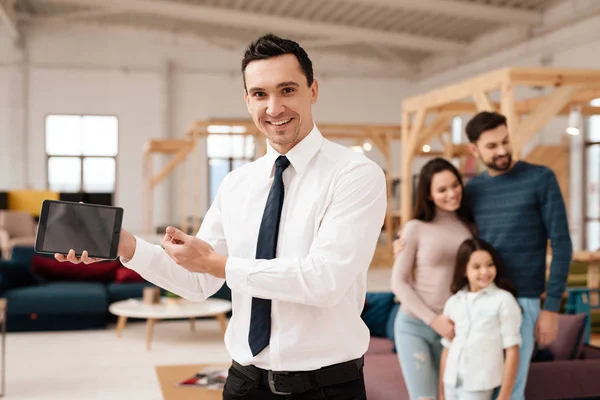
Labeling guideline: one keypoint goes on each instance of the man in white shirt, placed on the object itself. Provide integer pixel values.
(297, 270)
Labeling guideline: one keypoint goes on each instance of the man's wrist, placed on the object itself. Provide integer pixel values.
(127, 244)
(552, 304)
(216, 265)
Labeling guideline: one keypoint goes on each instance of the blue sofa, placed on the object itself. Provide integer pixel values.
(35, 304)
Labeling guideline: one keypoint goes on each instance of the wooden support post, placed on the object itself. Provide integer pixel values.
(507, 107)
(147, 195)
(415, 132)
(383, 142)
(433, 130)
(197, 169)
(389, 221)
(446, 140)
(540, 116)
(178, 158)
(184, 199)
(482, 101)
(406, 184)
(379, 142)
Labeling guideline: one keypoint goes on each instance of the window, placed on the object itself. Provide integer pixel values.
(457, 130)
(81, 152)
(592, 185)
(227, 148)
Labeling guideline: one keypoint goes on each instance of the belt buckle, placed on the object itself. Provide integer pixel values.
(271, 378)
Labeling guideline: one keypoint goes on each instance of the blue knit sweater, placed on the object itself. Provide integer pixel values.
(517, 212)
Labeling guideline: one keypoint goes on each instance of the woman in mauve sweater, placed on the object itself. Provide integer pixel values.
(423, 273)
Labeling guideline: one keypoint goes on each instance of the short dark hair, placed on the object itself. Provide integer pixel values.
(270, 45)
(463, 255)
(484, 121)
(424, 206)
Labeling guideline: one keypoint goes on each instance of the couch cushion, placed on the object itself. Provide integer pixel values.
(590, 352)
(569, 340)
(376, 312)
(23, 255)
(123, 291)
(14, 276)
(58, 298)
(53, 270)
(124, 274)
(380, 346)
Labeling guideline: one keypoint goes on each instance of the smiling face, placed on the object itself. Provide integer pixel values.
(494, 150)
(481, 270)
(446, 191)
(280, 100)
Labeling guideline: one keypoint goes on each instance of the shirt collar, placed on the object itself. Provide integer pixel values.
(491, 288)
(300, 155)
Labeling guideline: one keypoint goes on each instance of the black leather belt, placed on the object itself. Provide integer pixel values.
(283, 383)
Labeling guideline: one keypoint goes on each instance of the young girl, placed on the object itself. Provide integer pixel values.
(484, 353)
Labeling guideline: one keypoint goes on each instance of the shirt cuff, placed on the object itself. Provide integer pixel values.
(511, 340)
(552, 304)
(236, 274)
(446, 342)
(142, 256)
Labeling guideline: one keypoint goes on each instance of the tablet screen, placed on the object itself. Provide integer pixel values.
(79, 227)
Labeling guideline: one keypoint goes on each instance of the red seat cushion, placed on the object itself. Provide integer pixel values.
(125, 274)
(54, 270)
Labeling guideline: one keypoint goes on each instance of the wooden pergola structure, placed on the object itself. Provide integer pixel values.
(380, 136)
(524, 117)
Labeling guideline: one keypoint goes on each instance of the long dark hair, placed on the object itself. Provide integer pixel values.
(466, 249)
(424, 207)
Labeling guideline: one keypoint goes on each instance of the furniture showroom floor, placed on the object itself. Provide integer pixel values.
(95, 365)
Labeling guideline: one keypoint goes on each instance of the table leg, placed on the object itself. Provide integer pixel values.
(149, 331)
(223, 321)
(192, 326)
(121, 325)
(593, 277)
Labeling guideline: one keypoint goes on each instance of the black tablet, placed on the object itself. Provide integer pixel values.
(66, 225)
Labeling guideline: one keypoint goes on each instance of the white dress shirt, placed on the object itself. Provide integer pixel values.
(484, 325)
(333, 212)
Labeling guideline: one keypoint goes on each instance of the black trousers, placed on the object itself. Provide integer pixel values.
(240, 387)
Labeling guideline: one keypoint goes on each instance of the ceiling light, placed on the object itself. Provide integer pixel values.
(426, 148)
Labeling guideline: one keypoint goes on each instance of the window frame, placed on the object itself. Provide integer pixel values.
(229, 159)
(81, 157)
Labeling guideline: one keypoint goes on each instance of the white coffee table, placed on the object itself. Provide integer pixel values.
(168, 308)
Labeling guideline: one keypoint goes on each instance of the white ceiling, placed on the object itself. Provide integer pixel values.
(403, 32)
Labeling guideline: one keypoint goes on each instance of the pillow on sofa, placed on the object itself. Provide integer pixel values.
(568, 344)
(54, 270)
(126, 275)
(377, 311)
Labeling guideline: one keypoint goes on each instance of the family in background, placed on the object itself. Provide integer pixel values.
(470, 271)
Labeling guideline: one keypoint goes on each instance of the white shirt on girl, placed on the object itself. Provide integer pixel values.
(485, 323)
